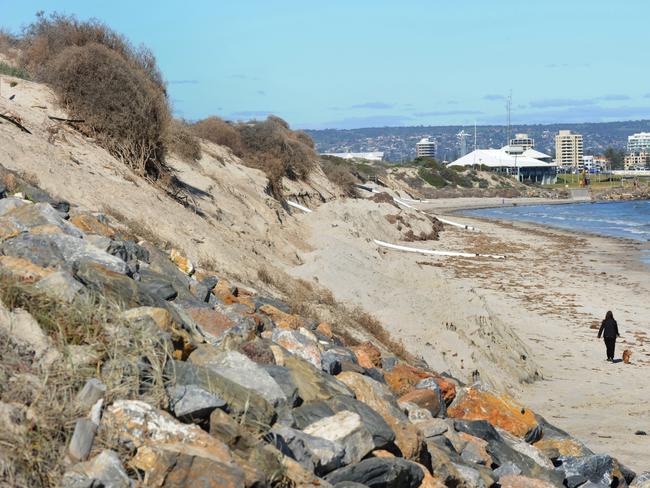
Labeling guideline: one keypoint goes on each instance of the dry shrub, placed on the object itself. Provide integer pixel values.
(121, 106)
(218, 131)
(180, 141)
(341, 176)
(278, 151)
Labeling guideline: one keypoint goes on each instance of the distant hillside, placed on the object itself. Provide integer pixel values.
(398, 143)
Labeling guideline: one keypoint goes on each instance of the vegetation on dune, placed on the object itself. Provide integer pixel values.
(340, 172)
(218, 131)
(181, 141)
(9, 70)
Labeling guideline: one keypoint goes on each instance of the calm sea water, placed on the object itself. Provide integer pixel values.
(630, 220)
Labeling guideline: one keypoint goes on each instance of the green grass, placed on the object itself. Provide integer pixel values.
(7, 69)
(433, 179)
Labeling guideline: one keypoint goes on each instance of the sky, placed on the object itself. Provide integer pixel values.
(357, 63)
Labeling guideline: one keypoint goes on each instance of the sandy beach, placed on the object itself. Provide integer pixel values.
(524, 324)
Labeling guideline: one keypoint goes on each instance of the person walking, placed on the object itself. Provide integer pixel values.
(609, 331)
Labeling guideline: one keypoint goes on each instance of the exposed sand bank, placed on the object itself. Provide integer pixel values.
(512, 320)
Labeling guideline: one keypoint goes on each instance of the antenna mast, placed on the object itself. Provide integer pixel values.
(509, 106)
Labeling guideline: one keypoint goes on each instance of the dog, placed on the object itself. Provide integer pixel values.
(627, 354)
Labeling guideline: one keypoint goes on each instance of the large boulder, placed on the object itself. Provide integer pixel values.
(555, 442)
(60, 285)
(345, 428)
(599, 469)
(380, 473)
(104, 470)
(315, 454)
(299, 342)
(39, 215)
(192, 403)
(428, 399)
(312, 383)
(403, 378)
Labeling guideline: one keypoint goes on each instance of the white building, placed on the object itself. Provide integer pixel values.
(426, 148)
(638, 143)
(523, 141)
(511, 162)
(370, 156)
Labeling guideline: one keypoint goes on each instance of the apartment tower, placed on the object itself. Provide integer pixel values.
(568, 149)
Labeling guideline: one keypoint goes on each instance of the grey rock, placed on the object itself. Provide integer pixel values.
(260, 301)
(332, 358)
(161, 263)
(199, 290)
(430, 384)
(313, 383)
(210, 282)
(128, 251)
(28, 216)
(641, 481)
(380, 473)
(191, 403)
(432, 428)
(376, 374)
(157, 285)
(282, 377)
(507, 469)
(60, 250)
(349, 484)
(345, 428)
(92, 391)
(8, 204)
(82, 439)
(103, 470)
(388, 363)
(60, 285)
(315, 454)
(597, 468)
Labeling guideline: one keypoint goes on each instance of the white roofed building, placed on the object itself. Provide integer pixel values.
(370, 156)
(426, 148)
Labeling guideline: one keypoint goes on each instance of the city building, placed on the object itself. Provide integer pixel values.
(517, 164)
(637, 160)
(426, 148)
(523, 141)
(637, 143)
(568, 150)
(370, 156)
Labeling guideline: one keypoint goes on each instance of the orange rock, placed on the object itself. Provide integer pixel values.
(517, 481)
(500, 411)
(425, 398)
(403, 378)
(282, 319)
(213, 322)
(552, 446)
(244, 300)
(478, 446)
(325, 329)
(89, 224)
(23, 269)
(382, 454)
(184, 264)
(222, 291)
(368, 353)
(430, 481)
(46, 229)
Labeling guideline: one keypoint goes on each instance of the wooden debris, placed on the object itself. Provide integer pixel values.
(14, 119)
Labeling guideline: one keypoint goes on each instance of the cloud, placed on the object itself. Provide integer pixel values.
(614, 97)
(183, 82)
(574, 114)
(452, 102)
(493, 97)
(374, 105)
(561, 102)
(249, 114)
(444, 113)
(261, 92)
(360, 122)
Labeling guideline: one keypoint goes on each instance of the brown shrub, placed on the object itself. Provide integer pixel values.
(218, 131)
(121, 106)
(341, 176)
(180, 140)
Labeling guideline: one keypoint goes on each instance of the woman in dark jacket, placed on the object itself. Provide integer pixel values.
(609, 330)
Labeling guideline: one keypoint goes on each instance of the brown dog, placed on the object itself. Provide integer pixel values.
(627, 354)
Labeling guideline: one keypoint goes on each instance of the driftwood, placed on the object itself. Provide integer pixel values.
(14, 120)
(69, 121)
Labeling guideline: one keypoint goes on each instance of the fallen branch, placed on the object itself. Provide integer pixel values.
(69, 121)
(437, 253)
(14, 120)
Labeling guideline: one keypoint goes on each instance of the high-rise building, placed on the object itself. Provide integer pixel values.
(568, 149)
(522, 141)
(426, 148)
(637, 160)
(637, 143)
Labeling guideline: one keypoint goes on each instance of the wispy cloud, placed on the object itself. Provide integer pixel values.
(614, 97)
(261, 92)
(561, 102)
(374, 105)
(361, 122)
(493, 97)
(183, 82)
(444, 113)
(249, 113)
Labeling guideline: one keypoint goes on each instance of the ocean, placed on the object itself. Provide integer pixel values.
(629, 219)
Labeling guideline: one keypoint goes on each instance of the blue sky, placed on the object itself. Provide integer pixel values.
(364, 63)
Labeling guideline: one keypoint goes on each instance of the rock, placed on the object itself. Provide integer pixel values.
(89, 224)
(345, 428)
(524, 448)
(299, 344)
(556, 442)
(82, 439)
(403, 378)
(157, 285)
(315, 454)
(92, 391)
(378, 397)
(283, 320)
(258, 351)
(241, 370)
(380, 473)
(507, 469)
(239, 400)
(24, 330)
(641, 481)
(432, 428)
(103, 470)
(170, 468)
(600, 469)
(199, 290)
(313, 384)
(10, 203)
(260, 301)
(225, 428)
(325, 330)
(13, 418)
(517, 481)
(475, 450)
(283, 378)
(503, 412)
(425, 398)
(51, 250)
(27, 217)
(332, 359)
(128, 251)
(23, 269)
(184, 264)
(160, 263)
(191, 403)
(211, 321)
(432, 384)
(60, 285)
(367, 355)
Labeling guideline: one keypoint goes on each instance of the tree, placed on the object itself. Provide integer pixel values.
(616, 157)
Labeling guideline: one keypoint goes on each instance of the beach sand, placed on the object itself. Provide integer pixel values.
(525, 324)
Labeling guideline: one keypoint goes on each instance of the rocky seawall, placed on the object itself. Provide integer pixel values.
(125, 364)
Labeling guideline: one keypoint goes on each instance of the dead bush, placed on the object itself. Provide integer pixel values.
(180, 141)
(218, 131)
(341, 176)
(122, 108)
